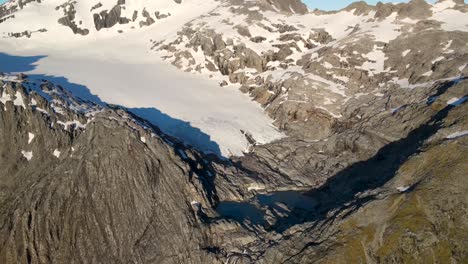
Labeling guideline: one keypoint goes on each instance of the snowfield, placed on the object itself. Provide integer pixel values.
(120, 69)
(219, 112)
(117, 65)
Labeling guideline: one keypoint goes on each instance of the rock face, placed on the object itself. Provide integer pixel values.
(68, 19)
(308, 75)
(96, 189)
(107, 19)
(373, 169)
(295, 6)
(113, 188)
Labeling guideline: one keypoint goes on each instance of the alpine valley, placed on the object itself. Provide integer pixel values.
(233, 131)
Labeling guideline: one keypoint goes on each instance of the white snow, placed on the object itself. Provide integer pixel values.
(143, 139)
(57, 109)
(375, 61)
(461, 68)
(453, 100)
(404, 83)
(42, 110)
(35, 16)
(452, 20)
(27, 154)
(19, 100)
(327, 65)
(428, 73)
(341, 78)
(74, 123)
(30, 137)
(443, 5)
(438, 59)
(404, 53)
(9, 78)
(386, 30)
(120, 70)
(5, 97)
(457, 101)
(56, 153)
(329, 112)
(255, 187)
(403, 188)
(447, 46)
(457, 134)
(329, 85)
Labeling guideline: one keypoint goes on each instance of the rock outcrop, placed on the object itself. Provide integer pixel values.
(294, 6)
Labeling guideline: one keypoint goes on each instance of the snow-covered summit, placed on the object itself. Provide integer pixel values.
(24, 18)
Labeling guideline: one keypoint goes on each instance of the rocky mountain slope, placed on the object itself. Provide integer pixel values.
(278, 58)
(79, 179)
(372, 100)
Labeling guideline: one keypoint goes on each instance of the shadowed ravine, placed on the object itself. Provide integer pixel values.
(233, 132)
(343, 191)
(310, 206)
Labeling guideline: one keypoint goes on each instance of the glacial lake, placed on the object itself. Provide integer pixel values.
(255, 209)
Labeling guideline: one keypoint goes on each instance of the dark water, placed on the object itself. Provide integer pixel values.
(255, 209)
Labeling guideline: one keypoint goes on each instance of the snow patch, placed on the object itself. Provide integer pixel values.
(461, 68)
(404, 53)
(195, 203)
(27, 154)
(30, 137)
(457, 101)
(19, 100)
(75, 124)
(438, 59)
(375, 61)
(429, 73)
(255, 187)
(403, 188)
(56, 153)
(5, 97)
(452, 20)
(457, 134)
